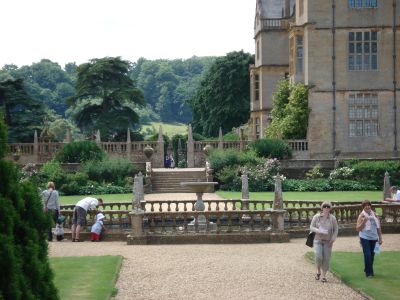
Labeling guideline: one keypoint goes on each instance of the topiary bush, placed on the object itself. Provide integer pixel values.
(25, 269)
(80, 151)
(271, 148)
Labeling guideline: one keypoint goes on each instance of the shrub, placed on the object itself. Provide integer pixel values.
(272, 148)
(81, 151)
(73, 183)
(109, 170)
(229, 178)
(52, 171)
(231, 136)
(374, 171)
(315, 172)
(341, 173)
(325, 185)
(221, 158)
(96, 189)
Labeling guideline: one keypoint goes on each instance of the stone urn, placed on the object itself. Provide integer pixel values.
(148, 151)
(207, 149)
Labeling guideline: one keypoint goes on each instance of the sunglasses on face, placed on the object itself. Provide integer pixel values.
(326, 206)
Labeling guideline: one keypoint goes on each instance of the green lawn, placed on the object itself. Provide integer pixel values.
(169, 129)
(330, 196)
(383, 286)
(86, 277)
(106, 198)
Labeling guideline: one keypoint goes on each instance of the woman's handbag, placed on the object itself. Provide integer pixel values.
(310, 239)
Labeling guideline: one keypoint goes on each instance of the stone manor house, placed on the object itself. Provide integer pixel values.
(348, 53)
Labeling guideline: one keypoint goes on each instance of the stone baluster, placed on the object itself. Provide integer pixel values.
(137, 235)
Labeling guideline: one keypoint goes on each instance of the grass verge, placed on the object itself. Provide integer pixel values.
(328, 196)
(86, 277)
(348, 266)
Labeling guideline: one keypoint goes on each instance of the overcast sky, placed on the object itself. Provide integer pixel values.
(78, 30)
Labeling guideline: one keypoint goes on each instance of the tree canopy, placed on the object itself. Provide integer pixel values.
(22, 114)
(106, 97)
(290, 112)
(223, 98)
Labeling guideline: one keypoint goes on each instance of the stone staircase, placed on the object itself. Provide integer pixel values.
(169, 180)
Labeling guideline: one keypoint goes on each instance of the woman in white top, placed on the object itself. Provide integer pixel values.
(325, 226)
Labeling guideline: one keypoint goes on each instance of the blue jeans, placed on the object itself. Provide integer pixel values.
(368, 250)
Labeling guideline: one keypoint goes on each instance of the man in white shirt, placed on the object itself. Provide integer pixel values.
(79, 216)
(396, 195)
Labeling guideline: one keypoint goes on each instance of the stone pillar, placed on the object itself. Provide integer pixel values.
(190, 148)
(98, 137)
(386, 186)
(138, 191)
(35, 147)
(245, 191)
(159, 158)
(137, 236)
(278, 199)
(128, 144)
(277, 213)
(68, 136)
(241, 138)
(220, 140)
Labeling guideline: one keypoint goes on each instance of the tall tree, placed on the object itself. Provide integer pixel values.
(25, 269)
(106, 97)
(223, 98)
(22, 114)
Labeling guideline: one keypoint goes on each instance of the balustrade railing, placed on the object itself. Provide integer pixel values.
(298, 145)
(226, 215)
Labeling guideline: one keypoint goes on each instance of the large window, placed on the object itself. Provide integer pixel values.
(363, 114)
(258, 128)
(256, 87)
(299, 54)
(363, 3)
(363, 50)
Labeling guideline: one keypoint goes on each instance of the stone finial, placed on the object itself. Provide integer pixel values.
(98, 137)
(278, 199)
(35, 137)
(190, 148)
(245, 186)
(160, 135)
(128, 136)
(220, 139)
(68, 136)
(138, 191)
(386, 186)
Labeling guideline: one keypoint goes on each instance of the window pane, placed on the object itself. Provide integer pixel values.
(366, 36)
(352, 128)
(374, 64)
(373, 35)
(359, 36)
(351, 47)
(366, 47)
(351, 36)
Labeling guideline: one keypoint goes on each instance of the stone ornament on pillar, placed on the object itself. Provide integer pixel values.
(138, 191)
(386, 186)
(278, 199)
(190, 148)
(148, 152)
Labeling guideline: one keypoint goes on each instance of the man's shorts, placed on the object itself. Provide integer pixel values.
(79, 216)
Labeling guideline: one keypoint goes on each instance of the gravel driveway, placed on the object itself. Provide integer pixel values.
(244, 271)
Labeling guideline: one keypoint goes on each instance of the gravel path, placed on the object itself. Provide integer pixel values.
(244, 271)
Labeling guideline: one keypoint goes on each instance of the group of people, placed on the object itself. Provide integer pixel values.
(169, 161)
(51, 206)
(325, 226)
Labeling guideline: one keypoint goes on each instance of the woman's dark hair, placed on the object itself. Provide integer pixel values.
(365, 203)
